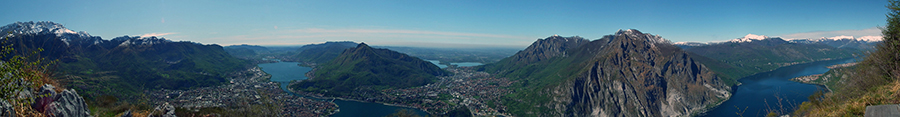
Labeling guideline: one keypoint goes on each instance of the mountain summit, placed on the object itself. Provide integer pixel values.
(39, 27)
(363, 68)
(322, 53)
(540, 50)
(629, 73)
(749, 38)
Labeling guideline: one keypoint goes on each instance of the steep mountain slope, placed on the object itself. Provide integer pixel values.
(322, 53)
(542, 49)
(124, 65)
(626, 74)
(768, 54)
(364, 68)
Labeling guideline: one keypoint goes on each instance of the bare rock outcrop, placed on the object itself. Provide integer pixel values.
(63, 104)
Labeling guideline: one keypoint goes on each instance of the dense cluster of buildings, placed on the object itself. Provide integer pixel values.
(241, 93)
(466, 89)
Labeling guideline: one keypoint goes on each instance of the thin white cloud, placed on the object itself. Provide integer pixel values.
(157, 34)
(874, 31)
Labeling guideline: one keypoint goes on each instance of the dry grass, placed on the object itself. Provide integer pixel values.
(833, 107)
(39, 78)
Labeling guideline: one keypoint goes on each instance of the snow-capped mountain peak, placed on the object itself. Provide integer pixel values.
(863, 38)
(43, 27)
(844, 37)
(870, 38)
(139, 40)
(37, 28)
(749, 38)
(756, 37)
(752, 37)
(840, 37)
(654, 39)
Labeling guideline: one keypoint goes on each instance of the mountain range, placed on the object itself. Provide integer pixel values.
(753, 53)
(123, 66)
(864, 42)
(629, 73)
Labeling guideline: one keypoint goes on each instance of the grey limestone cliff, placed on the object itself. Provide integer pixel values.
(629, 74)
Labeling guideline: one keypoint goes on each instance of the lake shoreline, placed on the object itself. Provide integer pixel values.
(316, 96)
(778, 80)
(286, 80)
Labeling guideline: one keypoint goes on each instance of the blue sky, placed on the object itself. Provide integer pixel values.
(450, 23)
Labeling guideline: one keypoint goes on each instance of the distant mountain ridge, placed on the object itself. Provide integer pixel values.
(629, 73)
(44, 27)
(767, 54)
(244, 51)
(322, 53)
(123, 65)
(864, 42)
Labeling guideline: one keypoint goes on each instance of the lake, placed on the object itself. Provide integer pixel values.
(761, 92)
(436, 62)
(285, 72)
(466, 64)
(460, 64)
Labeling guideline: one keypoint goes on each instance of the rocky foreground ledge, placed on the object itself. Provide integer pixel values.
(66, 103)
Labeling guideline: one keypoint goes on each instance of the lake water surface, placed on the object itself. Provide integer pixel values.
(460, 64)
(285, 72)
(762, 92)
(467, 64)
(436, 62)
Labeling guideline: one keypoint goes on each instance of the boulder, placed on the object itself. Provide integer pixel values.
(43, 98)
(6, 109)
(68, 104)
(126, 114)
(64, 104)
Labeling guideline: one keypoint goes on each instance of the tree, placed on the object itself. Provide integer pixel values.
(890, 49)
(20, 72)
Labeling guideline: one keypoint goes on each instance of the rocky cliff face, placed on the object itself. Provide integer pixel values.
(626, 74)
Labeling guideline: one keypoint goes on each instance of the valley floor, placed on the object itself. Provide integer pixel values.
(477, 91)
(252, 93)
